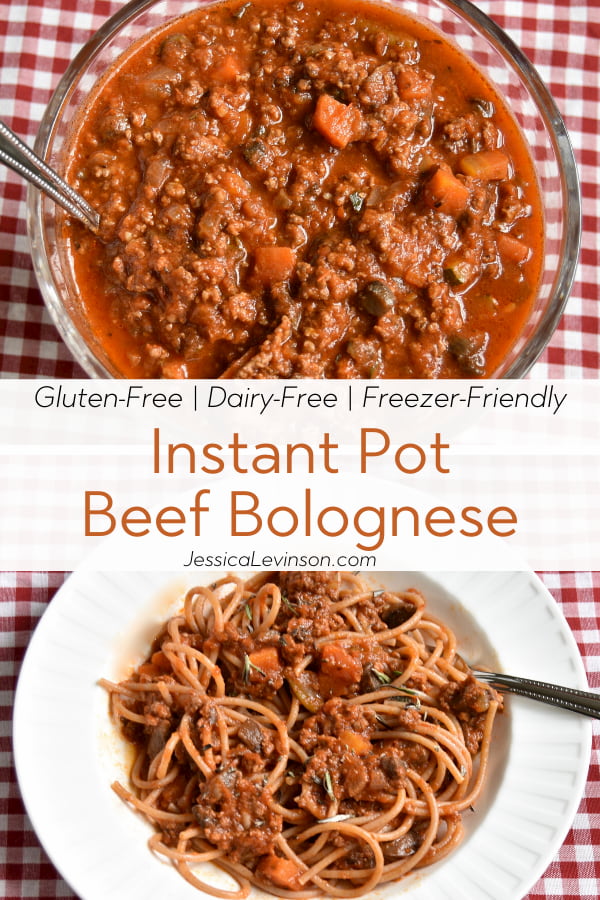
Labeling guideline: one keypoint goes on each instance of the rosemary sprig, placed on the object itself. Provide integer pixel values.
(406, 694)
(328, 785)
(248, 664)
(287, 602)
(403, 690)
(383, 678)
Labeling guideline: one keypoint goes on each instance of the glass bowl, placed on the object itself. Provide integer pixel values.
(478, 36)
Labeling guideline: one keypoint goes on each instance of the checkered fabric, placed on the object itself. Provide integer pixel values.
(39, 37)
(26, 872)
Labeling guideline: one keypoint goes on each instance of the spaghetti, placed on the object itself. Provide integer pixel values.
(305, 733)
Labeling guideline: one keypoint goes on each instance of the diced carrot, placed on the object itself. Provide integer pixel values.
(150, 669)
(446, 193)
(274, 264)
(227, 69)
(160, 660)
(239, 126)
(235, 185)
(337, 663)
(489, 165)
(512, 249)
(282, 872)
(412, 84)
(266, 659)
(339, 124)
(356, 742)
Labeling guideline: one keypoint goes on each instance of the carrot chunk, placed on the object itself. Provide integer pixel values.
(356, 742)
(282, 872)
(227, 69)
(337, 663)
(273, 264)
(489, 165)
(444, 192)
(150, 669)
(339, 124)
(266, 661)
(160, 660)
(512, 249)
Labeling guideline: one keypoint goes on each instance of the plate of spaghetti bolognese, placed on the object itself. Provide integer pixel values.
(298, 734)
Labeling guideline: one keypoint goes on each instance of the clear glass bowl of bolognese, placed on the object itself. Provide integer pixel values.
(362, 190)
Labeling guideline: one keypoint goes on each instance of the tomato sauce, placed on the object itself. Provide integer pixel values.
(303, 190)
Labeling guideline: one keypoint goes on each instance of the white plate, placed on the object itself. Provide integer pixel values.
(67, 751)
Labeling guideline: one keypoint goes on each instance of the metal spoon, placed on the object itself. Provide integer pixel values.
(584, 702)
(18, 156)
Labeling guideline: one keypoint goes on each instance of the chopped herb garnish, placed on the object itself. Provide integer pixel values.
(404, 690)
(248, 664)
(406, 694)
(248, 610)
(246, 669)
(287, 602)
(407, 703)
(378, 593)
(328, 785)
(383, 678)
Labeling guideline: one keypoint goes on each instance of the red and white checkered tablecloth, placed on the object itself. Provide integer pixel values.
(26, 872)
(39, 37)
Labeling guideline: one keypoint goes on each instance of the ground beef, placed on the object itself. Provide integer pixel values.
(257, 167)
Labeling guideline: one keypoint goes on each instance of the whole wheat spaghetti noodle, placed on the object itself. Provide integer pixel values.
(305, 733)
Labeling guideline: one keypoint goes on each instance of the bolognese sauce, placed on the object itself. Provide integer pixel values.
(303, 190)
(308, 734)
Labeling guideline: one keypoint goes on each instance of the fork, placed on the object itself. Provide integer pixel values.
(19, 157)
(585, 702)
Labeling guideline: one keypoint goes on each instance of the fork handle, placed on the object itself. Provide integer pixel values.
(21, 159)
(585, 702)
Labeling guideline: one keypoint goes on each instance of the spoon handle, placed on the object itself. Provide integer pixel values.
(584, 702)
(19, 157)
